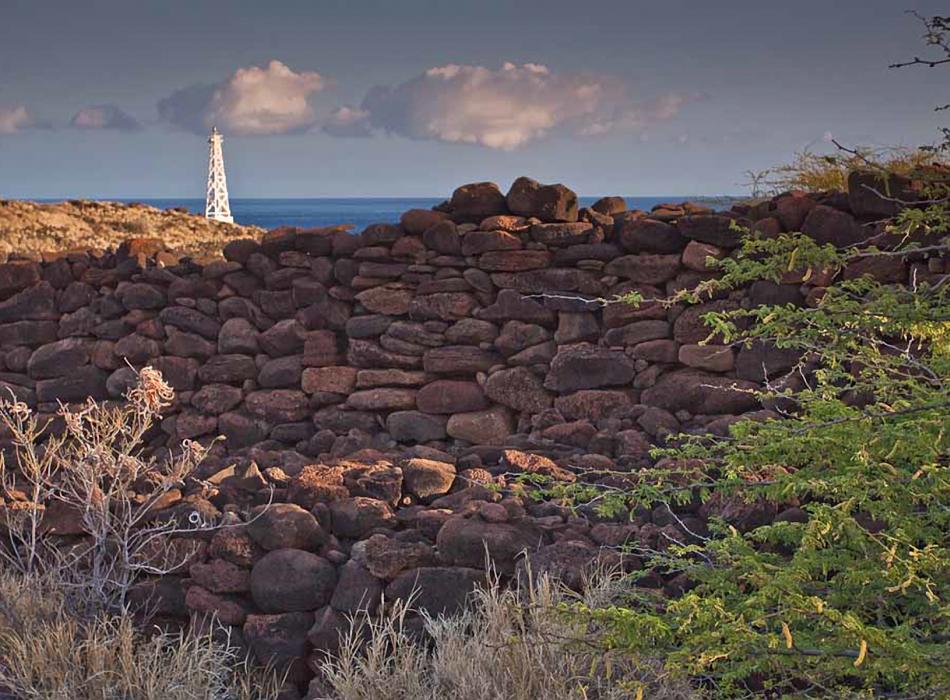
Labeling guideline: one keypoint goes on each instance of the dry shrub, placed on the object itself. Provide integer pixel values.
(819, 172)
(48, 652)
(65, 628)
(136, 227)
(94, 469)
(517, 644)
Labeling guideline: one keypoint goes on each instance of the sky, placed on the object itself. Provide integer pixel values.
(337, 98)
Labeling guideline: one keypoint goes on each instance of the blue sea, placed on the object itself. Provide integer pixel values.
(362, 211)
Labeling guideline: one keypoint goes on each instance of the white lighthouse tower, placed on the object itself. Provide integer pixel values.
(217, 206)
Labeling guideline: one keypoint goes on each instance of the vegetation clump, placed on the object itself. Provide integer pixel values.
(67, 625)
(520, 643)
(846, 592)
(50, 650)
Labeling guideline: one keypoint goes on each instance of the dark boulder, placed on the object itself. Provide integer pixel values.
(285, 526)
(832, 226)
(529, 198)
(477, 201)
(468, 541)
(701, 393)
(586, 366)
(292, 580)
(437, 590)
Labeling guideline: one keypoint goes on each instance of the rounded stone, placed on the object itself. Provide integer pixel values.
(285, 526)
(292, 580)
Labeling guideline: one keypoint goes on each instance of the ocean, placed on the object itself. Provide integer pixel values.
(361, 211)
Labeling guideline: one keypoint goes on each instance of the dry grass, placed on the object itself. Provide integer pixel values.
(28, 227)
(49, 651)
(511, 644)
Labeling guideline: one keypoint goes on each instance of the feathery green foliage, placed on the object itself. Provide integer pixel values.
(853, 598)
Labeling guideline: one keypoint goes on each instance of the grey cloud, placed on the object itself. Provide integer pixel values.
(105, 117)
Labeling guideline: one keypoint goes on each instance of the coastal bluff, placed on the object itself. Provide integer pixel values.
(367, 397)
(50, 228)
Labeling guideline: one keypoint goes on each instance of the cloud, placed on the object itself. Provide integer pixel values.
(270, 100)
(104, 117)
(501, 109)
(186, 108)
(349, 121)
(12, 119)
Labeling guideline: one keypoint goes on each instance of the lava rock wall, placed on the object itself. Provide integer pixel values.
(487, 321)
(375, 391)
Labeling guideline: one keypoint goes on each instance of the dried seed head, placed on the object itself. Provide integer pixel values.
(18, 409)
(151, 392)
(192, 452)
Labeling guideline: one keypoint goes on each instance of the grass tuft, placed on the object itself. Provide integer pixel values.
(517, 644)
(49, 651)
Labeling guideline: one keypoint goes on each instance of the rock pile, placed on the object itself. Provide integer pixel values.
(295, 556)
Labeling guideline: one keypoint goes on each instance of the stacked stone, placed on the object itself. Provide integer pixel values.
(310, 551)
(371, 387)
(481, 322)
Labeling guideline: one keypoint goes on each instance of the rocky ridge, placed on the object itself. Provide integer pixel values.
(79, 224)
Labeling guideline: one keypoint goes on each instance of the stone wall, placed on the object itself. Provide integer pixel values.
(374, 386)
(482, 323)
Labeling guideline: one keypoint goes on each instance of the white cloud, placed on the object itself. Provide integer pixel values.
(255, 100)
(501, 109)
(104, 117)
(12, 119)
